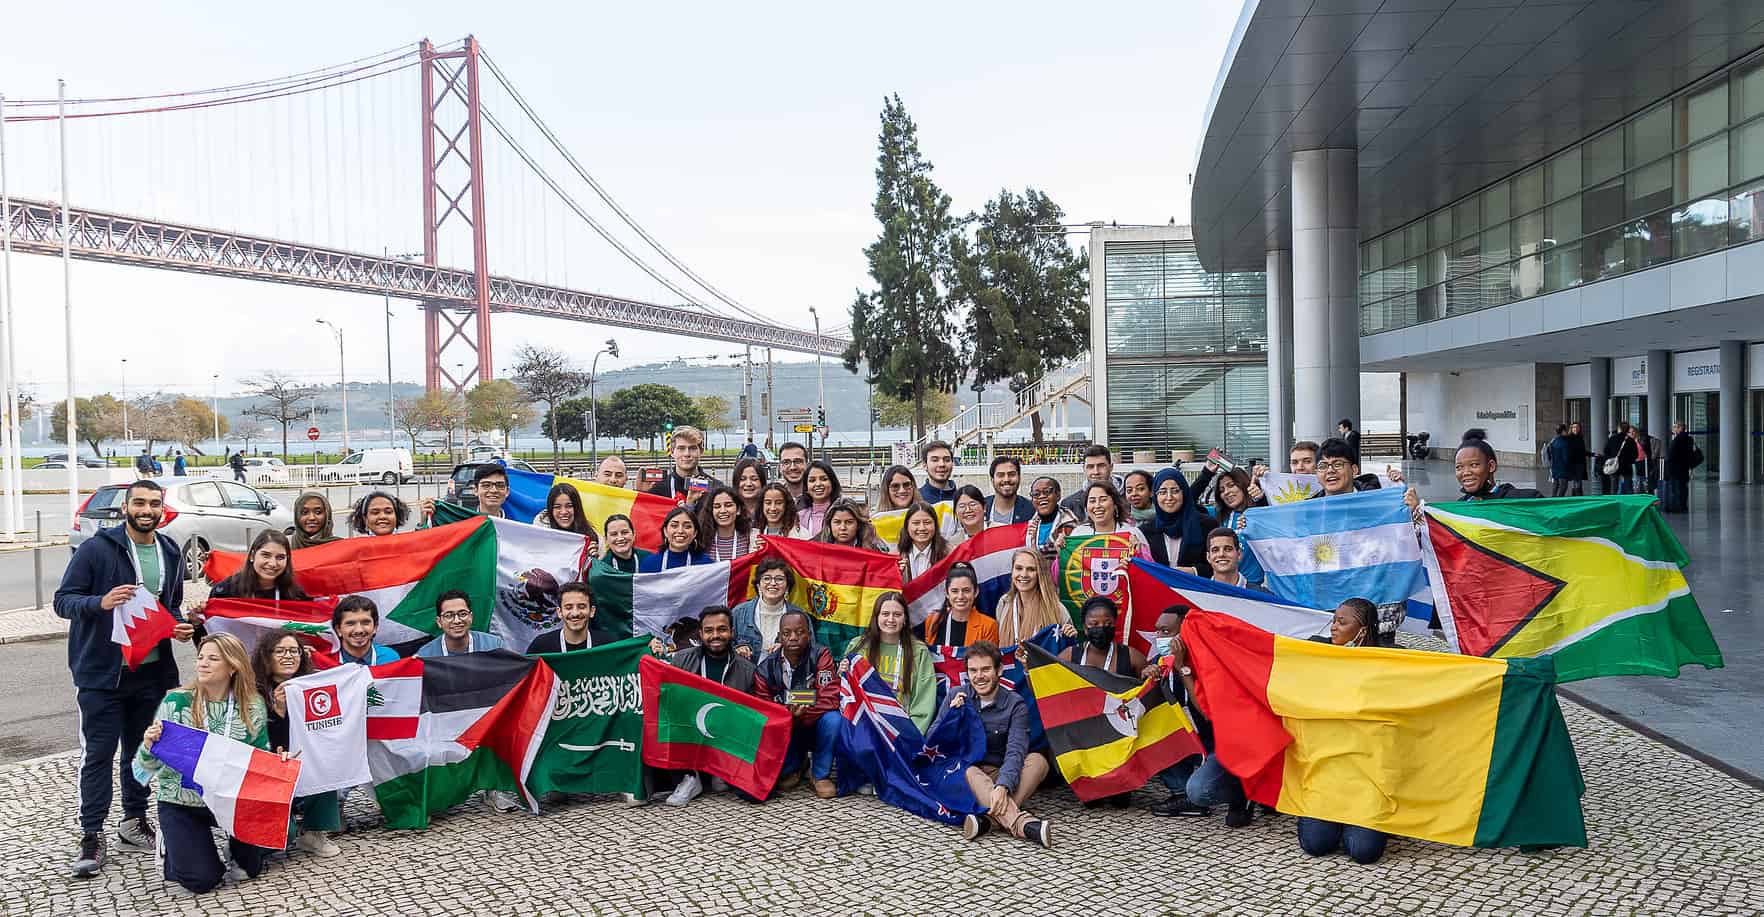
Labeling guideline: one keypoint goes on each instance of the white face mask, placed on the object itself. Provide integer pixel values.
(1161, 646)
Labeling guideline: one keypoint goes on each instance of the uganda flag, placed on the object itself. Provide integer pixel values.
(1596, 582)
(695, 724)
(1108, 734)
(1444, 748)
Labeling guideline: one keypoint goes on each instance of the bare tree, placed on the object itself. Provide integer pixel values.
(281, 402)
(548, 376)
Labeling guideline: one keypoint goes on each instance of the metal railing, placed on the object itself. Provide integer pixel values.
(974, 421)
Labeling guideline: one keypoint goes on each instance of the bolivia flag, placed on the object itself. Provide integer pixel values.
(1596, 582)
(1156, 587)
(990, 555)
(1108, 734)
(1092, 565)
(527, 491)
(249, 790)
(838, 584)
(1444, 748)
(252, 619)
(440, 729)
(652, 602)
(402, 573)
(694, 724)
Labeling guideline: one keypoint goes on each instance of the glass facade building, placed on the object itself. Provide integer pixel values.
(1184, 352)
(1680, 179)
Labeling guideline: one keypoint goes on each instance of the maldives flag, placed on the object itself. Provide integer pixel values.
(989, 553)
(138, 625)
(253, 619)
(695, 724)
(248, 790)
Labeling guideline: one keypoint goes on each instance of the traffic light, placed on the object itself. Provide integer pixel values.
(667, 426)
(820, 417)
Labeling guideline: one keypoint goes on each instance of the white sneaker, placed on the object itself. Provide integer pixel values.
(235, 875)
(632, 800)
(317, 844)
(689, 789)
(503, 801)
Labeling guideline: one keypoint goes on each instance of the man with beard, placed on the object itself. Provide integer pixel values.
(575, 608)
(800, 676)
(713, 658)
(793, 467)
(116, 703)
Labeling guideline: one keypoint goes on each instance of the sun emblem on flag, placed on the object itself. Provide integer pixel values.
(1324, 552)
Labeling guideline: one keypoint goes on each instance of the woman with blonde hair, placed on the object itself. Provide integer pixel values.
(1031, 604)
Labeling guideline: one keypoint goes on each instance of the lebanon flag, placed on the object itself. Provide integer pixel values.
(656, 600)
(990, 555)
(403, 574)
(527, 491)
(249, 790)
(441, 729)
(252, 619)
(138, 625)
(1155, 587)
(694, 724)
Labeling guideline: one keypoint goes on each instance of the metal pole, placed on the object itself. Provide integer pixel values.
(37, 572)
(73, 455)
(343, 383)
(771, 401)
(216, 398)
(821, 378)
(391, 400)
(9, 520)
(125, 398)
(747, 386)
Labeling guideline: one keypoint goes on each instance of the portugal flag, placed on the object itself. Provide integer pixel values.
(694, 724)
(1092, 565)
(1595, 582)
(1108, 734)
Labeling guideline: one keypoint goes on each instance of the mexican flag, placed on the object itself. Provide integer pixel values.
(253, 619)
(652, 602)
(694, 724)
(531, 563)
(441, 729)
(594, 742)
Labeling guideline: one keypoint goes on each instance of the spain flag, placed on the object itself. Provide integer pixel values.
(1108, 734)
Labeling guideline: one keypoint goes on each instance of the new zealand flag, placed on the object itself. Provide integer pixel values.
(879, 745)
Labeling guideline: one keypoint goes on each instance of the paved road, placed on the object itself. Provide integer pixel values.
(38, 715)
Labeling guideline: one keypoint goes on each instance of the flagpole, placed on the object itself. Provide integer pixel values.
(73, 454)
(9, 478)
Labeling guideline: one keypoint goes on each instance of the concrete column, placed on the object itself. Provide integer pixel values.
(1279, 276)
(1733, 412)
(1099, 339)
(1599, 411)
(1660, 394)
(1325, 286)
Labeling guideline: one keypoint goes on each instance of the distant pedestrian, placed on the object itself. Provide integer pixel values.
(1682, 456)
(1576, 460)
(144, 464)
(1560, 452)
(178, 466)
(237, 461)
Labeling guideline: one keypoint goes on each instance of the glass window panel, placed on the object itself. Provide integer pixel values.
(1745, 213)
(1496, 205)
(1528, 277)
(1439, 228)
(1528, 233)
(1247, 434)
(1602, 206)
(1463, 294)
(1193, 326)
(1702, 113)
(1372, 255)
(1466, 256)
(1366, 256)
(1136, 326)
(1601, 157)
(1650, 135)
(1197, 432)
(1650, 188)
(1194, 389)
(1393, 249)
(1562, 175)
(1497, 244)
(1746, 95)
(1184, 276)
(1245, 283)
(1432, 268)
(1746, 155)
(1246, 324)
(1702, 169)
(1699, 227)
(1414, 243)
(1466, 220)
(1562, 267)
(1136, 403)
(1134, 274)
(1563, 223)
(1427, 303)
(1604, 254)
(1649, 241)
(1497, 285)
(1528, 191)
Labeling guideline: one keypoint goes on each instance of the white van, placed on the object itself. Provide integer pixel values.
(387, 466)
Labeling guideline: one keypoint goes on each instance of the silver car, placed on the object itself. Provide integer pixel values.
(201, 515)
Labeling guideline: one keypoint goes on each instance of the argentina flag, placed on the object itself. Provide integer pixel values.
(1320, 552)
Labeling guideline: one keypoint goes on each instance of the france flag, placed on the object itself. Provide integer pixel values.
(249, 791)
(1322, 551)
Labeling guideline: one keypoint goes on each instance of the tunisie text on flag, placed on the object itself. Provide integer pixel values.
(527, 491)
(248, 790)
(878, 744)
(138, 625)
(989, 553)
(1454, 749)
(695, 724)
(1156, 587)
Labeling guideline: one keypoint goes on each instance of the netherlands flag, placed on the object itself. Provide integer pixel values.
(249, 790)
(990, 555)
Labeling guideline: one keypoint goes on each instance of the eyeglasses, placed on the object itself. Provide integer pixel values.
(1333, 465)
(773, 581)
(455, 616)
(900, 485)
(492, 485)
(288, 651)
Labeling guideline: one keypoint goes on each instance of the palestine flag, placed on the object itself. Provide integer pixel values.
(1595, 582)
(1156, 587)
(1445, 748)
(694, 724)
(441, 729)
(837, 584)
(593, 742)
(652, 602)
(1092, 565)
(1108, 734)
(532, 561)
(527, 491)
(253, 619)
(403, 573)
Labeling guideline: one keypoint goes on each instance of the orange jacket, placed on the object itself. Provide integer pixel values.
(980, 627)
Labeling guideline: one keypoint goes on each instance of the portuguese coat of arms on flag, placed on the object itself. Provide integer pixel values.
(1092, 565)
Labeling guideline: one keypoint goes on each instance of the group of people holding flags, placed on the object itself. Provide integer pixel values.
(945, 649)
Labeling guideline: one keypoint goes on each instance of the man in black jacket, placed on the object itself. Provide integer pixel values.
(116, 703)
(714, 658)
(1576, 460)
(1350, 436)
(677, 483)
(1338, 471)
(1681, 457)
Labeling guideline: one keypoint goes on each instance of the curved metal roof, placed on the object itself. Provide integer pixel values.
(1440, 97)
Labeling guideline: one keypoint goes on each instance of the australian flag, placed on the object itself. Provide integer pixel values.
(952, 673)
(879, 745)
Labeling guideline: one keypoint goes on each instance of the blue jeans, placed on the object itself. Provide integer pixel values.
(826, 730)
(1175, 777)
(1321, 838)
(1212, 785)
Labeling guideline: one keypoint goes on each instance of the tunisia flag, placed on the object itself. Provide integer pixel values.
(139, 624)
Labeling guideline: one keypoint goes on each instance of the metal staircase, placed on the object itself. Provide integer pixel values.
(985, 421)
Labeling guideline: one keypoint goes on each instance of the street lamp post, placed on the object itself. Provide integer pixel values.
(216, 395)
(391, 400)
(342, 383)
(125, 399)
(612, 347)
(820, 379)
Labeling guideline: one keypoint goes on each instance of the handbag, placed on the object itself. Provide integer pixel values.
(1610, 466)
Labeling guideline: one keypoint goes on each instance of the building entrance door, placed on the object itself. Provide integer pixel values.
(1700, 412)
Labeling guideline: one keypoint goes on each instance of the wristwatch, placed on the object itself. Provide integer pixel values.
(1185, 671)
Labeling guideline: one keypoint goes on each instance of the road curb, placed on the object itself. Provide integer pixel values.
(33, 638)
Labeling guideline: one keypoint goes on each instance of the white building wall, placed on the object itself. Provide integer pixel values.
(1500, 400)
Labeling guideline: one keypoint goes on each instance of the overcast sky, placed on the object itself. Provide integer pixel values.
(742, 136)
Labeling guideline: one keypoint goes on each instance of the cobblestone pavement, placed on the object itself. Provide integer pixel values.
(1669, 836)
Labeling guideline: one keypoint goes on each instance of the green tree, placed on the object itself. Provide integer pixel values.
(643, 411)
(96, 419)
(497, 404)
(548, 376)
(183, 420)
(1027, 292)
(433, 411)
(569, 420)
(714, 413)
(939, 407)
(904, 330)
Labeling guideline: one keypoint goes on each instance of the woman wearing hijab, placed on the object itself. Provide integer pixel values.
(312, 520)
(1178, 531)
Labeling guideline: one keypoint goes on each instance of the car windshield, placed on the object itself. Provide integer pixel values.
(106, 498)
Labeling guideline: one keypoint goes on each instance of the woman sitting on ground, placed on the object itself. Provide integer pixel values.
(1355, 624)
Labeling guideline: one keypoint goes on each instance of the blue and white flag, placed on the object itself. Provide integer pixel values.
(879, 745)
(1318, 553)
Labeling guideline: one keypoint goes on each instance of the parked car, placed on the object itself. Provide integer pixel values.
(266, 471)
(459, 482)
(201, 515)
(385, 465)
(85, 461)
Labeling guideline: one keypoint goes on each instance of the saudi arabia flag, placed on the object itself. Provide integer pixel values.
(594, 742)
(1596, 582)
(695, 724)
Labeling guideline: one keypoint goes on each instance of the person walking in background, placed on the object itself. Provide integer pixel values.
(1576, 460)
(1682, 456)
(237, 463)
(1560, 453)
(178, 467)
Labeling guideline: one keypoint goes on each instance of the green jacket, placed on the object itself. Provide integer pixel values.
(920, 697)
(220, 718)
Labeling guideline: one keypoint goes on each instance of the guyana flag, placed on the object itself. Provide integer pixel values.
(837, 584)
(527, 491)
(1092, 565)
(1596, 582)
(1445, 748)
(695, 724)
(1109, 734)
